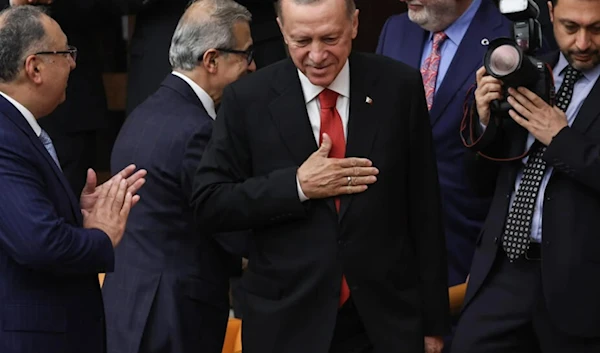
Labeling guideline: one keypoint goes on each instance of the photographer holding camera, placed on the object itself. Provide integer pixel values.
(533, 284)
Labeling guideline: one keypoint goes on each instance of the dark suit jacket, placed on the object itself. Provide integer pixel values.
(50, 298)
(155, 23)
(169, 281)
(464, 211)
(85, 107)
(570, 222)
(388, 241)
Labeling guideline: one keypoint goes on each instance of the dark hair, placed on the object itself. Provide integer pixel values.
(21, 31)
(350, 6)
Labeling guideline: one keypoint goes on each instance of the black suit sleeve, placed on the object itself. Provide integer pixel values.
(234, 243)
(426, 219)
(227, 195)
(576, 156)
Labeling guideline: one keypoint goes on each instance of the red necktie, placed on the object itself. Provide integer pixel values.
(331, 124)
(430, 67)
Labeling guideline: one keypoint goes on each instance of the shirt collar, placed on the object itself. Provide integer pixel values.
(590, 75)
(26, 113)
(340, 85)
(205, 99)
(456, 31)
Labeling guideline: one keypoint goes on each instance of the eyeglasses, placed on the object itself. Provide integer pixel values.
(72, 51)
(248, 53)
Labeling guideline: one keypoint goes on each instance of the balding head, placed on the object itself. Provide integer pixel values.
(206, 24)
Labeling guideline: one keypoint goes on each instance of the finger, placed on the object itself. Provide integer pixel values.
(90, 182)
(519, 119)
(136, 176)
(127, 204)
(133, 189)
(114, 188)
(491, 87)
(325, 146)
(362, 171)
(126, 172)
(490, 96)
(350, 189)
(354, 162)
(134, 200)
(103, 196)
(120, 196)
(532, 97)
(479, 74)
(520, 108)
(521, 98)
(489, 80)
(358, 180)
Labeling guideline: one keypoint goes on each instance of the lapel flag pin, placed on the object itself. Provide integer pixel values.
(368, 100)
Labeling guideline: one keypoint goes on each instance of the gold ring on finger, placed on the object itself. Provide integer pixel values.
(349, 180)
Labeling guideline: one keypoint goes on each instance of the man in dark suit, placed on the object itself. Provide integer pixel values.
(530, 288)
(74, 125)
(410, 38)
(169, 292)
(154, 25)
(52, 247)
(348, 253)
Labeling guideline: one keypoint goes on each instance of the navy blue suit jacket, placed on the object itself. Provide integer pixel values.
(169, 290)
(50, 299)
(464, 212)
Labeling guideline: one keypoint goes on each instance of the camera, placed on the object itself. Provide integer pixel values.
(510, 59)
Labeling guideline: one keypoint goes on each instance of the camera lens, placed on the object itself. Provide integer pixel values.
(504, 60)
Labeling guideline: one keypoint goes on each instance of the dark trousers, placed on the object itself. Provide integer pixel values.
(509, 315)
(349, 335)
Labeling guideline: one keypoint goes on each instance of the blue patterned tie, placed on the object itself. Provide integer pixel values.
(47, 141)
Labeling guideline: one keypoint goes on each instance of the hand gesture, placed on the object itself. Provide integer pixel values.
(488, 89)
(321, 176)
(111, 210)
(530, 111)
(90, 192)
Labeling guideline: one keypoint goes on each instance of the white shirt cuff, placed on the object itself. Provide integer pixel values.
(301, 195)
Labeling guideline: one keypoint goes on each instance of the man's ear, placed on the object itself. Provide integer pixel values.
(551, 11)
(209, 60)
(33, 69)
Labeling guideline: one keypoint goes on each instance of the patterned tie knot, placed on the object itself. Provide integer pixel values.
(438, 39)
(328, 99)
(572, 74)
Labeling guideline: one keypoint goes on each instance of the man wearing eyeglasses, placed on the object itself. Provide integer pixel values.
(75, 124)
(169, 292)
(52, 245)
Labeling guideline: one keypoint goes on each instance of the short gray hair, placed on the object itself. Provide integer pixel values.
(350, 6)
(21, 33)
(195, 35)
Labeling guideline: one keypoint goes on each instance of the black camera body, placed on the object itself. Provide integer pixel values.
(510, 60)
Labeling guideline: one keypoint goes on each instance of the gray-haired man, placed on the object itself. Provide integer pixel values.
(169, 291)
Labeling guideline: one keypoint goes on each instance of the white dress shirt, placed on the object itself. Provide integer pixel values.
(340, 85)
(26, 113)
(205, 99)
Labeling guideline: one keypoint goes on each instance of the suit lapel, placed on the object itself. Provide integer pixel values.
(362, 122)
(590, 110)
(288, 112)
(414, 38)
(468, 58)
(15, 115)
